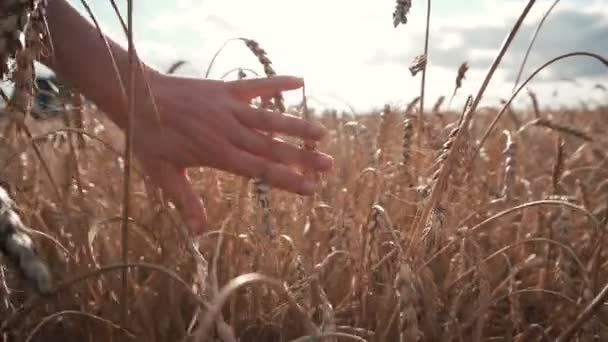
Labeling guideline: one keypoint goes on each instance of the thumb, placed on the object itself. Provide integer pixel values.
(174, 182)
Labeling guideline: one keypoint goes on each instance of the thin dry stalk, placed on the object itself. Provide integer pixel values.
(584, 316)
(61, 314)
(558, 166)
(240, 73)
(93, 18)
(426, 56)
(128, 155)
(538, 70)
(247, 279)
(563, 129)
(216, 54)
(531, 44)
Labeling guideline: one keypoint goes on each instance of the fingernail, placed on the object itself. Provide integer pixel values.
(309, 187)
(325, 161)
(317, 130)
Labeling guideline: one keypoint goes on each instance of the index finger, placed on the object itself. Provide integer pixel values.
(248, 89)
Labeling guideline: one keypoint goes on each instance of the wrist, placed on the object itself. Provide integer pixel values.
(116, 103)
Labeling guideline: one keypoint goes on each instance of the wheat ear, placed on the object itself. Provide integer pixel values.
(262, 189)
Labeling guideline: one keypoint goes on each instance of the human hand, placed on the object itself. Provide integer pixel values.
(209, 123)
(203, 123)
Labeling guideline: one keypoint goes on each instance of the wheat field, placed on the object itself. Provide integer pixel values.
(513, 250)
(431, 227)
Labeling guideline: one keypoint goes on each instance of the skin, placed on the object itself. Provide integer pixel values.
(201, 123)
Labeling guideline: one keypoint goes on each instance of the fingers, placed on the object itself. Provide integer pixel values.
(248, 89)
(265, 120)
(281, 152)
(174, 182)
(276, 175)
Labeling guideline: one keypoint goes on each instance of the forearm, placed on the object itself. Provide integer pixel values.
(81, 57)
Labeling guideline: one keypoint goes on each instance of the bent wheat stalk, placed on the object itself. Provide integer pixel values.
(61, 314)
(584, 316)
(217, 53)
(532, 40)
(67, 284)
(426, 56)
(484, 224)
(508, 103)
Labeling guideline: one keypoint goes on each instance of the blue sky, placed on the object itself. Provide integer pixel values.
(349, 51)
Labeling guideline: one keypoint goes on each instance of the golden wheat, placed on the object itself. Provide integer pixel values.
(449, 239)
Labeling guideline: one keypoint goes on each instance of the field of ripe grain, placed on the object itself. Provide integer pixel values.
(485, 224)
(513, 247)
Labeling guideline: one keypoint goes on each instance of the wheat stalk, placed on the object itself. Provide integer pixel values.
(573, 131)
(558, 166)
(531, 44)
